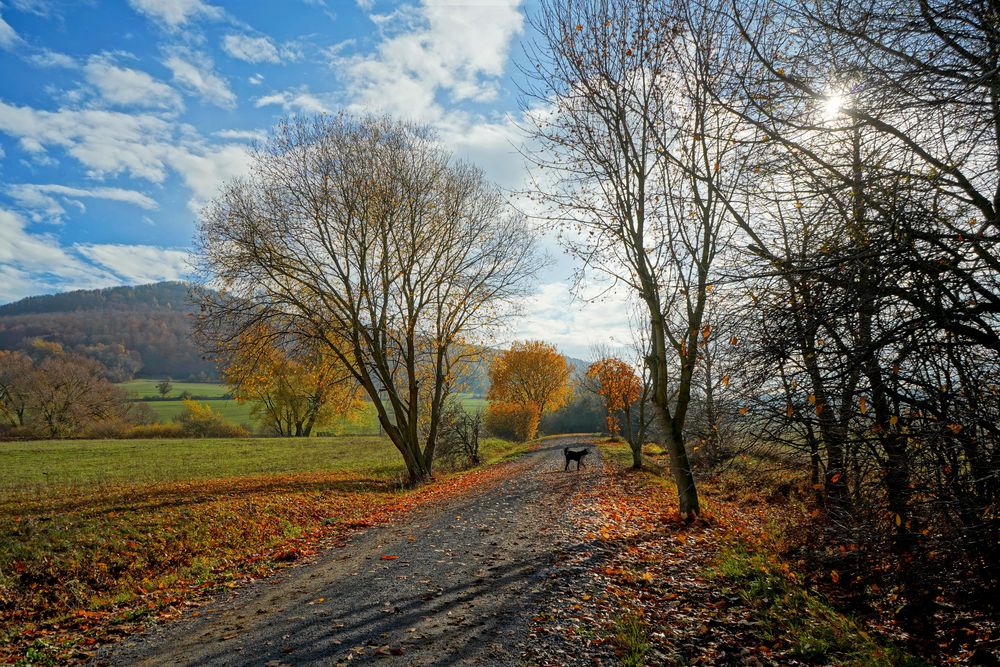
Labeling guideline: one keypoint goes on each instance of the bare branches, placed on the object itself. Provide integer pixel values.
(364, 235)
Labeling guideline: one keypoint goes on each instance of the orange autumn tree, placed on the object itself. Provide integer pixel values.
(619, 386)
(293, 391)
(526, 381)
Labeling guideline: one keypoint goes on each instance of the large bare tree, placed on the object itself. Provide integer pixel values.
(363, 234)
(634, 153)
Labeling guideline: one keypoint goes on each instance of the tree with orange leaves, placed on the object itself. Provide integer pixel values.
(531, 374)
(619, 386)
(292, 391)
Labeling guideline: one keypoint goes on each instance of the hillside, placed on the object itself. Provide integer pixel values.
(144, 330)
(140, 331)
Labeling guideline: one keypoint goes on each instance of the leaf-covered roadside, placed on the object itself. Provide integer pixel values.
(79, 571)
(646, 588)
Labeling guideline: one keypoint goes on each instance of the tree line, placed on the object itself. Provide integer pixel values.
(802, 199)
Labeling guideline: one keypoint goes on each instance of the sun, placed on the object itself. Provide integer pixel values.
(832, 106)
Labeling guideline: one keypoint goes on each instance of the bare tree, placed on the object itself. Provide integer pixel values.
(635, 153)
(364, 235)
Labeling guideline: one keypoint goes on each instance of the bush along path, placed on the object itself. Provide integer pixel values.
(641, 587)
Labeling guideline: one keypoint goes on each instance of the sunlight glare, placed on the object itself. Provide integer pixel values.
(832, 105)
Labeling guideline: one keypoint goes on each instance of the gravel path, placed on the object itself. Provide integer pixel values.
(470, 574)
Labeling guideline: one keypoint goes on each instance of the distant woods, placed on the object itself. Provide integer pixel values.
(53, 394)
(132, 331)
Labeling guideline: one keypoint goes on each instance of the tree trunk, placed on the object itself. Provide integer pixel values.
(680, 466)
(634, 443)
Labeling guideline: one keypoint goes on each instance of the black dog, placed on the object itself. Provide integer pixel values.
(575, 456)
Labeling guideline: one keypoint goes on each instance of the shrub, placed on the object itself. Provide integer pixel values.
(147, 431)
(513, 421)
(107, 429)
(201, 421)
(458, 438)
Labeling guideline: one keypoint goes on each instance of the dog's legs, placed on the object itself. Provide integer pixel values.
(566, 467)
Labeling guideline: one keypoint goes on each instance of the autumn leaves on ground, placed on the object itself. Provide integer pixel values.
(90, 561)
(87, 557)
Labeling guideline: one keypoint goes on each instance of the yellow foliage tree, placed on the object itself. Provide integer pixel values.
(293, 392)
(618, 385)
(531, 374)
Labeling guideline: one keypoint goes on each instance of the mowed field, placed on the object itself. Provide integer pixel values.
(213, 394)
(99, 536)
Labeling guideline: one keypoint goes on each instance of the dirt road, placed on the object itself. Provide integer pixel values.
(456, 583)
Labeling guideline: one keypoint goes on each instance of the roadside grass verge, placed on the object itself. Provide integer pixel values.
(736, 590)
(98, 538)
(631, 639)
(800, 620)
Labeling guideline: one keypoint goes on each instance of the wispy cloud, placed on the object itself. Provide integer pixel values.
(460, 51)
(195, 73)
(46, 201)
(126, 87)
(251, 49)
(136, 264)
(8, 36)
(175, 13)
(293, 101)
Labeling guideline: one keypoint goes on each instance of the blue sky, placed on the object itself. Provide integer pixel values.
(118, 120)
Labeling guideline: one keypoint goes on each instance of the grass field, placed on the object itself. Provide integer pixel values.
(146, 388)
(167, 410)
(36, 466)
(99, 536)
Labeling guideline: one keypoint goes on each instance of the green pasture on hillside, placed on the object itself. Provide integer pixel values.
(211, 393)
(146, 388)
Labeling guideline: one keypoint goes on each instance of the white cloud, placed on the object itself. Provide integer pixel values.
(174, 13)
(461, 50)
(125, 87)
(292, 101)
(33, 263)
(573, 325)
(251, 49)
(194, 72)
(140, 145)
(365, 5)
(106, 142)
(8, 37)
(49, 58)
(137, 264)
(241, 135)
(205, 171)
(255, 79)
(46, 201)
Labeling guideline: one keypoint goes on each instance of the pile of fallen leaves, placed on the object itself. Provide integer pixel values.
(647, 588)
(82, 569)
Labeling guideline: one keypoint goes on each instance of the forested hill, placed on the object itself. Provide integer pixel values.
(144, 330)
(137, 331)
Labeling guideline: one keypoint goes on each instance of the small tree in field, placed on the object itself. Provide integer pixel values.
(164, 387)
(292, 392)
(533, 376)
